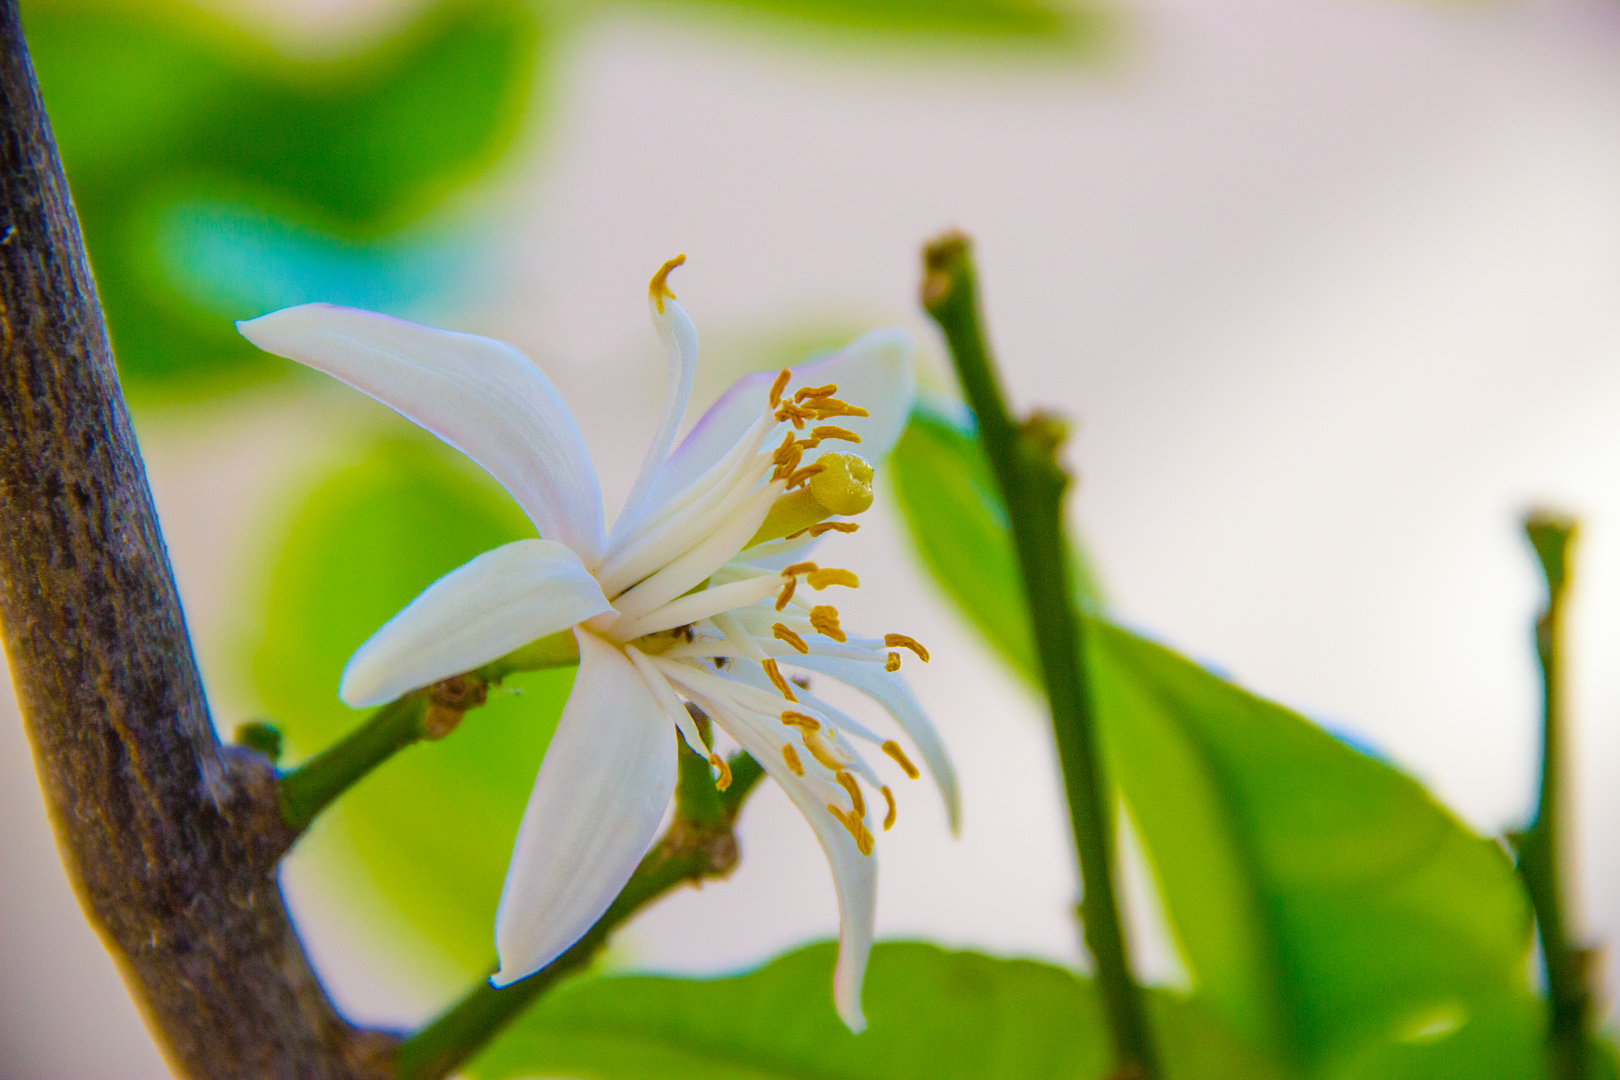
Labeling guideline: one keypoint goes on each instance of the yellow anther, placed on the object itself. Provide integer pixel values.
(775, 673)
(831, 431)
(827, 408)
(857, 829)
(854, 790)
(795, 415)
(799, 720)
(725, 771)
(833, 526)
(798, 568)
(889, 818)
(900, 641)
(782, 633)
(892, 663)
(824, 618)
(819, 751)
(821, 579)
(815, 391)
(779, 385)
(803, 475)
(791, 756)
(787, 593)
(658, 287)
(785, 452)
(892, 748)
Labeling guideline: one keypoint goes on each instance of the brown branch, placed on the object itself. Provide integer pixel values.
(170, 839)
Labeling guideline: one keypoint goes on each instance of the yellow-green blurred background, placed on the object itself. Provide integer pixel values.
(1331, 287)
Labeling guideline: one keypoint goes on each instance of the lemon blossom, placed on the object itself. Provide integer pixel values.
(699, 593)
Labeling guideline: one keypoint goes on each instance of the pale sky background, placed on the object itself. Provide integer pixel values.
(1332, 288)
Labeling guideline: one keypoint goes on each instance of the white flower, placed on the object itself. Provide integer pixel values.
(695, 594)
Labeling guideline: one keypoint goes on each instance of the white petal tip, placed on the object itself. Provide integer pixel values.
(503, 978)
(856, 1022)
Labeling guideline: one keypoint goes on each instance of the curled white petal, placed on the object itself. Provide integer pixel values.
(702, 560)
(675, 330)
(891, 691)
(481, 396)
(874, 372)
(477, 612)
(606, 780)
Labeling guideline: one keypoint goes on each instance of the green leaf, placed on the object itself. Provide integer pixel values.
(931, 1014)
(418, 849)
(215, 179)
(1005, 21)
(1327, 906)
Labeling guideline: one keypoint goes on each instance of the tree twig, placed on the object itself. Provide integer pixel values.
(1541, 846)
(170, 839)
(690, 851)
(1033, 484)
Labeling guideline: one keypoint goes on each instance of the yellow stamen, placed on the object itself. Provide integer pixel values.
(892, 663)
(775, 673)
(779, 385)
(787, 593)
(798, 568)
(821, 579)
(830, 431)
(824, 617)
(791, 756)
(827, 408)
(784, 634)
(900, 641)
(819, 751)
(889, 819)
(803, 475)
(833, 526)
(658, 287)
(799, 720)
(725, 771)
(857, 829)
(795, 415)
(815, 391)
(854, 790)
(892, 748)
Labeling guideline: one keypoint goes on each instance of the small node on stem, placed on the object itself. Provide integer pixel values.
(262, 737)
(448, 702)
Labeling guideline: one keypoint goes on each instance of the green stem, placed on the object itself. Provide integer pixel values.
(1033, 484)
(430, 713)
(689, 852)
(1541, 854)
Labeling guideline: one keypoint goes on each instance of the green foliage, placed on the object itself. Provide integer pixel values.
(931, 1014)
(423, 841)
(1007, 21)
(1328, 908)
(215, 180)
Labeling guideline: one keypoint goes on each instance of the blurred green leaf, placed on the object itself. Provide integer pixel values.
(1008, 21)
(931, 1014)
(421, 844)
(185, 140)
(1328, 907)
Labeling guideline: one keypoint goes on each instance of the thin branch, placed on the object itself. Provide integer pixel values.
(1033, 484)
(170, 839)
(431, 713)
(689, 852)
(1541, 847)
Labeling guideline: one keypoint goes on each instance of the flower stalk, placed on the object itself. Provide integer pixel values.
(1033, 484)
(1541, 847)
(690, 851)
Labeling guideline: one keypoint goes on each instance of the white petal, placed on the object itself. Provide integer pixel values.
(606, 780)
(854, 874)
(702, 560)
(874, 371)
(674, 708)
(483, 397)
(891, 691)
(693, 607)
(477, 612)
(680, 340)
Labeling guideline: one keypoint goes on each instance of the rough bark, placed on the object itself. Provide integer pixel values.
(171, 839)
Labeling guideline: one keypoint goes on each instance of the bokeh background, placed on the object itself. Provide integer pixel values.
(1330, 287)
